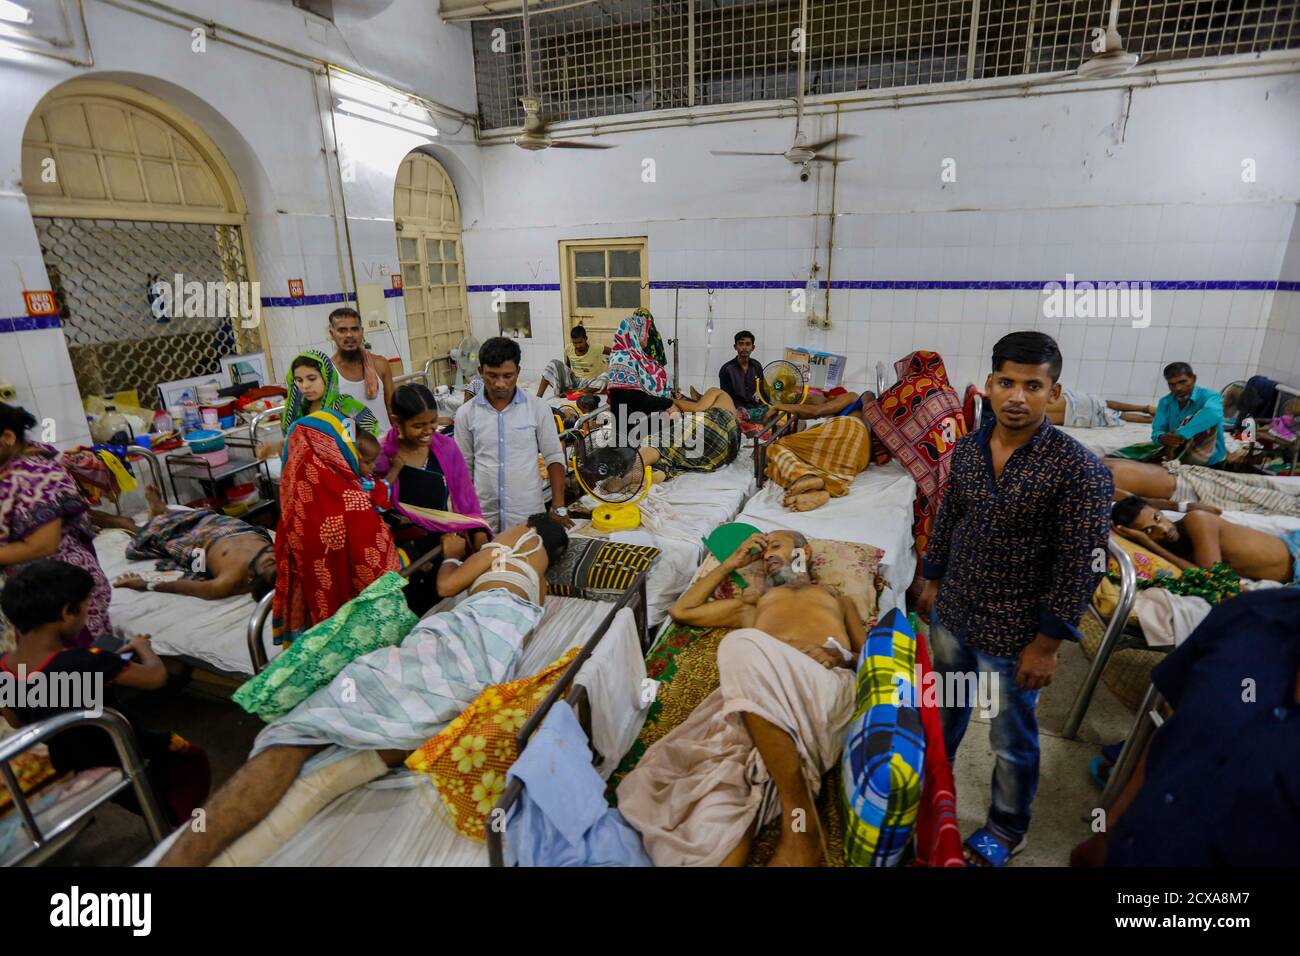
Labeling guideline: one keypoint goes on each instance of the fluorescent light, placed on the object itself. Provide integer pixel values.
(386, 117)
(15, 13)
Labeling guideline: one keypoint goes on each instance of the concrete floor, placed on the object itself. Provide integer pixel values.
(1066, 796)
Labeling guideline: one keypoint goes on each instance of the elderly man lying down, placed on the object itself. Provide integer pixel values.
(776, 722)
(384, 704)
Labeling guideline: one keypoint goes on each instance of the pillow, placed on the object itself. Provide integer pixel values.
(377, 617)
(848, 568)
(598, 570)
(1146, 564)
(884, 751)
(468, 761)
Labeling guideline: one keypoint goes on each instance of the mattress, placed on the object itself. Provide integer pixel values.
(1103, 441)
(876, 511)
(398, 819)
(211, 633)
(681, 512)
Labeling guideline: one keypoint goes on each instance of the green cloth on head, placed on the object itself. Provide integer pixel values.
(376, 618)
(723, 541)
(296, 404)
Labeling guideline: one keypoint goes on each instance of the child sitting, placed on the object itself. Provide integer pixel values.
(47, 603)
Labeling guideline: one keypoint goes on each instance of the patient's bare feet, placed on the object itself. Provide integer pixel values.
(806, 483)
(156, 504)
(798, 849)
(807, 502)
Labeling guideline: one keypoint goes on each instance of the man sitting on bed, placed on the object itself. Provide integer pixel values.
(221, 556)
(1173, 486)
(776, 722)
(1202, 540)
(384, 704)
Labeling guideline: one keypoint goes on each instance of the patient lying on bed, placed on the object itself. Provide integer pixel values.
(1202, 540)
(819, 464)
(1209, 489)
(776, 723)
(383, 705)
(226, 556)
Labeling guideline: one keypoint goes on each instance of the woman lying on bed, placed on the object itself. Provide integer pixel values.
(385, 704)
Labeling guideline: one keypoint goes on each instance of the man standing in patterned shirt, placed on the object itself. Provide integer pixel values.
(1018, 547)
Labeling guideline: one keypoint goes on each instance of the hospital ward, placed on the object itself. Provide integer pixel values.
(651, 434)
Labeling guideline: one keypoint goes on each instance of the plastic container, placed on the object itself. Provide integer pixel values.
(211, 419)
(163, 423)
(111, 427)
(204, 442)
(215, 458)
(227, 422)
(213, 504)
(242, 494)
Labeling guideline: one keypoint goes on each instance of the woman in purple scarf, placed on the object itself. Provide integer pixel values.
(443, 501)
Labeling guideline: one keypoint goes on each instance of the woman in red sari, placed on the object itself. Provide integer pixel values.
(331, 542)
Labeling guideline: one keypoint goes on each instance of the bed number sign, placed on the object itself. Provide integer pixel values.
(296, 289)
(40, 303)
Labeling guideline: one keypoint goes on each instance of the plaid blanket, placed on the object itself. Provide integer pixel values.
(834, 452)
(709, 440)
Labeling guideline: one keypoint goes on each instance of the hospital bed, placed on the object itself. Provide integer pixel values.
(398, 820)
(1103, 441)
(876, 511)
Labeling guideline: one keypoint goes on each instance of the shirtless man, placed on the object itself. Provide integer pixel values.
(1059, 408)
(351, 358)
(410, 672)
(1202, 540)
(787, 691)
(241, 560)
(817, 405)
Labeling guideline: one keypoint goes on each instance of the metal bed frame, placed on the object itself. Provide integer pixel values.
(1148, 721)
(133, 775)
(779, 427)
(1110, 639)
(635, 598)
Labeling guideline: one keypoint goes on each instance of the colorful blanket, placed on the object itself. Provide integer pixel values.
(709, 440)
(376, 618)
(920, 420)
(835, 452)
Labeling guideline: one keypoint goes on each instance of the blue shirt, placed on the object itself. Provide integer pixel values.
(1205, 406)
(1222, 779)
(1019, 554)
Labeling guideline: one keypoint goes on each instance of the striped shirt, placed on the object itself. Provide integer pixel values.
(1022, 553)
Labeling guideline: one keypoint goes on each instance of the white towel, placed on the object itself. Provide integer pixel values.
(1167, 618)
(613, 676)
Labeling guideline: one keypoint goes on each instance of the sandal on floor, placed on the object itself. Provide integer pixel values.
(990, 849)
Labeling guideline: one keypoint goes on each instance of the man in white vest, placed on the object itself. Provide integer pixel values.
(363, 374)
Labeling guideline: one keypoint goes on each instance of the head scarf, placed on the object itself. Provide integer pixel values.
(296, 404)
(637, 357)
(331, 542)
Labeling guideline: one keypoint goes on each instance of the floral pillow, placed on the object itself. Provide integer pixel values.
(1147, 565)
(468, 761)
(847, 568)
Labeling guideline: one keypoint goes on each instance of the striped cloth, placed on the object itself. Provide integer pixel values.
(1232, 491)
(398, 697)
(834, 452)
(884, 753)
(708, 440)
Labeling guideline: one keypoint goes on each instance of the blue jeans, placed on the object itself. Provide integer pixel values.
(1013, 732)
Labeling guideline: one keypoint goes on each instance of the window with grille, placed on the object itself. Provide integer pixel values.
(628, 56)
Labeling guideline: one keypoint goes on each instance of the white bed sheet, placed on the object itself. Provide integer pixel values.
(1103, 441)
(876, 511)
(691, 505)
(212, 632)
(398, 820)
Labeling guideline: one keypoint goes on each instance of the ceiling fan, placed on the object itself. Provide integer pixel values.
(1113, 60)
(535, 136)
(801, 153)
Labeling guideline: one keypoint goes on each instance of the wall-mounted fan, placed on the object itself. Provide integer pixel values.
(783, 383)
(608, 472)
(465, 357)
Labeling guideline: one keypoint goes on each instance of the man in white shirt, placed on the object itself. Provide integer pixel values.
(502, 432)
(363, 374)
